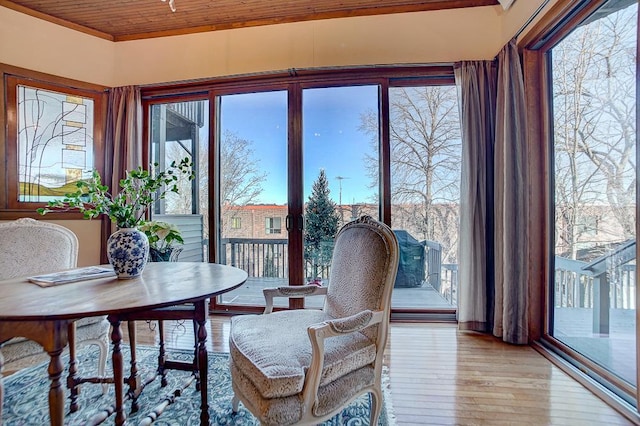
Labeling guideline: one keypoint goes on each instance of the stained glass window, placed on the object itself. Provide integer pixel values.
(55, 142)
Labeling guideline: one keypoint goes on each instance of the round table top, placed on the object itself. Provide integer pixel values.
(161, 284)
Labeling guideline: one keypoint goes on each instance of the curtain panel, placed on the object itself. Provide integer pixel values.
(476, 81)
(493, 257)
(123, 139)
(511, 260)
(123, 133)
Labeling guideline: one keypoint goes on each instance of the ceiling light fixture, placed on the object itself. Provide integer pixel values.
(172, 6)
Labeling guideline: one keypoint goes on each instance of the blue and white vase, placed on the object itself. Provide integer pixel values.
(128, 252)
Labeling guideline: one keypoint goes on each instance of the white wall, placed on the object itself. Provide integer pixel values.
(42, 46)
(409, 38)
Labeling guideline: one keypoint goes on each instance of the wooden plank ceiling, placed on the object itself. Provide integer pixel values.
(120, 20)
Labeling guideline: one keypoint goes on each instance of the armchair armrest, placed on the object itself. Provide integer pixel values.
(318, 333)
(352, 323)
(290, 292)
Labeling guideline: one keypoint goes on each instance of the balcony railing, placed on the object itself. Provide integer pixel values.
(608, 282)
(575, 284)
(192, 111)
(260, 258)
(268, 258)
(449, 283)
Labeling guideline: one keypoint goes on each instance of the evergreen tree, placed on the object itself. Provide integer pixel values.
(321, 226)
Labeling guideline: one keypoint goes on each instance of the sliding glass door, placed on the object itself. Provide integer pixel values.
(285, 162)
(593, 72)
(252, 181)
(178, 130)
(425, 195)
(341, 166)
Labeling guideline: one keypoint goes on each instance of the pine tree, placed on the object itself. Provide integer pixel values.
(321, 226)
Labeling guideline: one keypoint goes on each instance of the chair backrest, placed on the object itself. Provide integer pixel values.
(363, 269)
(29, 247)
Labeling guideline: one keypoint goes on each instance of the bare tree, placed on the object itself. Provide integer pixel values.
(240, 179)
(240, 176)
(594, 132)
(425, 163)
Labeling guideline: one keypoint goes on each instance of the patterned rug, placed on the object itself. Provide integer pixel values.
(25, 396)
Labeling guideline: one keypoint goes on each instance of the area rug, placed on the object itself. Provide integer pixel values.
(25, 396)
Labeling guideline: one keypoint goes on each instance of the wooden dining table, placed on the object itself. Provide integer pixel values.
(42, 314)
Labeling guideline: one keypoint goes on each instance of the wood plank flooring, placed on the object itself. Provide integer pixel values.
(441, 376)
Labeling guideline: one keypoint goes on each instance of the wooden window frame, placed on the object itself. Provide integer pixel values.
(294, 81)
(536, 46)
(12, 77)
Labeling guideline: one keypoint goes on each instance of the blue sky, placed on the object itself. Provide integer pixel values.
(331, 139)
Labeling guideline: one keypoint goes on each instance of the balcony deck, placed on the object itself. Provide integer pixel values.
(424, 297)
(615, 351)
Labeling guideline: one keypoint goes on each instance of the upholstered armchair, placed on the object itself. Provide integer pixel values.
(303, 366)
(32, 247)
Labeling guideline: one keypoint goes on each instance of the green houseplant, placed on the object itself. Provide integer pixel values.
(162, 237)
(139, 190)
(128, 247)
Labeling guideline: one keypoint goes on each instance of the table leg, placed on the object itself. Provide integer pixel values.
(118, 375)
(162, 355)
(73, 369)
(52, 336)
(135, 384)
(196, 363)
(56, 393)
(201, 319)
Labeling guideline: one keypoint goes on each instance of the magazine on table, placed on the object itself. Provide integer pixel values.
(72, 275)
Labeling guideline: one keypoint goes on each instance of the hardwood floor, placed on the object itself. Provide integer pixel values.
(440, 376)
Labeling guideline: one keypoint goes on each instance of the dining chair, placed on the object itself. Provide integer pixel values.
(303, 366)
(31, 247)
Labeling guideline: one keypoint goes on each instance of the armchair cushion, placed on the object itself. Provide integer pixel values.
(276, 362)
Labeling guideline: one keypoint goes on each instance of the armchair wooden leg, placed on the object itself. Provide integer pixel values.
(376, 406)
(235, 403)
(73, 380)
(102, 362)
